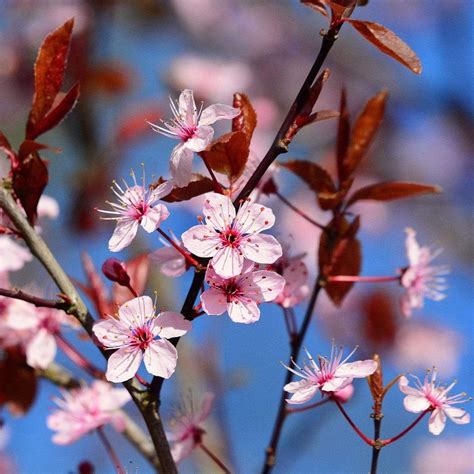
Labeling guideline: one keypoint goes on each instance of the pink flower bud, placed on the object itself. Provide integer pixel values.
(116, 271)
(345, 394)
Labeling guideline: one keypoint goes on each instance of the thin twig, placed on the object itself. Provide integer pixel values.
(292, 410)
(217, 185)
(285, 201)
(214, 458)
(406, 430)
(110, 451)
(18, 294)
(366, 439)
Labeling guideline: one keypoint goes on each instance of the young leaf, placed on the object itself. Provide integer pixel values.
(247, 120)
(315, 176)
(49, 73)
(199, 185)
(389, 43)
(363, 132)
(7, 149)
(138, 268)
(392, 190)
(319, 6)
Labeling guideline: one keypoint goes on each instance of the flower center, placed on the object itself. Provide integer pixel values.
(186, 132)
(230, 237)
(231, 290)
(142, 337)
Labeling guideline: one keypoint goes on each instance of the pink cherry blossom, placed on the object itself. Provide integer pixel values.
(186, 429)
(12, 255)
(427, 396)
(421, 279)
(193, 129)
(85, 409)
(170, 262)
(240, 295)
(136, 206)
(228, 238)
(37, 329)
(134, 336)
(330, 376)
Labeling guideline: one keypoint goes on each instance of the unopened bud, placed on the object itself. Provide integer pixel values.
(116, 271)
(345, 394)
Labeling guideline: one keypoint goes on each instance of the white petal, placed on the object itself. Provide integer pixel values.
(201, 139)
(154, 217)
(412, 246)
(437, 422)
(160, 358)
(41, 350)
(161, 191)
(254, 218)
(21, 315)
(123, 364)
(218, 211)
(216, 112)
(458, 415)
(125, 231)
(302, 391)
(228, 262)
(335, 384)
(182, 449)
(243, 311)
(357, 369)
(201, 241)
(111, 333)
(415, 403)
(187, 106)
(181, 165)
(261, 248)
(206, 406)
(170, 261)
(403, 385)
(172, 324)
(263, 285)
(214, 301)
(136, 310)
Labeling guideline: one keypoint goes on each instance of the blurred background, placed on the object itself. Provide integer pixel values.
(130, 56)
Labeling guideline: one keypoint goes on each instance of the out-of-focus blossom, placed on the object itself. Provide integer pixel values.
(240, 295)
(136, 206)
(453, 456)
(193, 129)
(170, 262)
(210, 78)
(186, 429)
(12, 255)
(228, 238)
(39, 326)
(331, 375)
(48, 207)
(135, 335)
(441, 347)
(421, 279)
(427, 396)
(85, 409)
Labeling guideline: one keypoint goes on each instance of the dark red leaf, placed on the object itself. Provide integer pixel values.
(138, 269)
(319, 6)
(58, 113)
(343, 136)
(389, 43)
(363, 132)
(315, 92)
(7, 149)
(49, 73)
(199, 185)
(392, 190)
(95, 288)
(247, 120)
(228, 154)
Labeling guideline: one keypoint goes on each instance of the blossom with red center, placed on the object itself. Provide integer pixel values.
(36, 329)
(186, 429)
(85, 409)
(331, 375)
(136, 206)
(228, 238)
(134, 334)
(193, 129)
(427, 396)
(421, 279)
(240, 295)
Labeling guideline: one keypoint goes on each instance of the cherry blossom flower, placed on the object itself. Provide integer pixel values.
(170, 262)
(37, 329)
(137, 206)
(427, 396)
(330, 376)
(421, 279)
(193, 129)
(240, 295)
(186, 429)
(85, 409)
(228, 238)
(134, 334)
(12, 255)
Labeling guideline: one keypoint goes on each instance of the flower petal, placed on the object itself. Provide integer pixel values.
(182, 449)
(187, 107)
(160, 358)
(171, 263)
(154, 217)
(136, 310)
(41, 350)
(125, 231)
(216, 112)
(111, 333)
(335, 384)
(412, 247)
(437, 422)
(201, 139)
(403, 385)
(201, 241)
(123, 364)
(261, 248)
(228, 262)
(181, 165)
(214, 301)
(171, 324)
(357, 369)
(263, 285)
(206, 406)
(302, 390)
(218, 211)
(21, 315)
(416, 403)
(458, 415)
(243, 310)
(254, 218)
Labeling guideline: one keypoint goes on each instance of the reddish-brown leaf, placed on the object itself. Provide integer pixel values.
(343, 136)
(7, 149)
(319, 6)
(247, 120)
(95, 288)
(199, 185)
(389, 43)
(58, 113)
(392, 190)
(138, 269)
(49, 73)
(228, 154)
(363, 132)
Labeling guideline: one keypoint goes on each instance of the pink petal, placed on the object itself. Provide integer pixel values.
(302, 390)
(458, 415)
(263, 285)
(201, 139)
(111, 333)
(228, 262)
(12, 255)
(182, 449)
(161, 191)
(21, 315)
(437, 422)
(48, 207)
(118, 421)
(216, 112)
(187, 107)
(336, 384)
(218, 211)
(214, 301)
(123, 364)
(171, 324)
(254, 218)
(125, 231)
(416, 403)
(295, 290)
(160, 358)
(357, 369)
(243, 311)
(206, 406)
(181, 165)
(154, 217)
(412, 246)
(41, 350)
(134, 311)
(171, 263)
(261, 248)
(201, 241)
(403, 385)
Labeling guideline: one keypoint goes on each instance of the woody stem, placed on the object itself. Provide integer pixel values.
(367, 440)
(110, 451)
(183, 252)
(214, 458)
(298, 211)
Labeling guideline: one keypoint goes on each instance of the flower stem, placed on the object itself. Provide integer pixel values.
(376, 448)
(35, 300)
(298, 211)
(386, 442)
(110, 451)
(290, 322)
(365, 279)
(183, 252)
(290, 411)
(217, 185)
(367, 440)
(214, 458)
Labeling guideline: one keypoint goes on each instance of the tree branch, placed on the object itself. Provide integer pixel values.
(18, 294)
